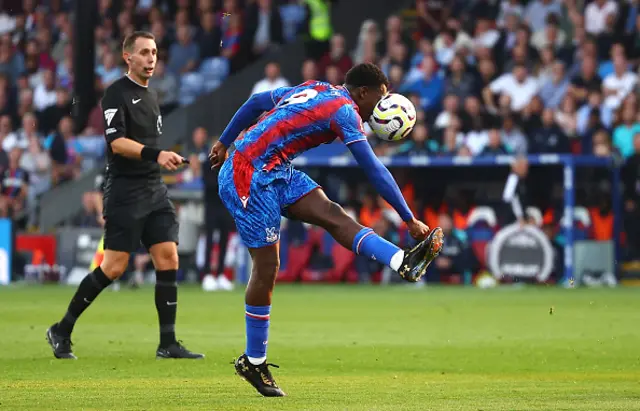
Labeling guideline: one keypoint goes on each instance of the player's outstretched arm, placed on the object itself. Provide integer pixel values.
(250, 110)
(386, 186)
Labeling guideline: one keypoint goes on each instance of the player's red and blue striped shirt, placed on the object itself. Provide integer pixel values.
(303, 117)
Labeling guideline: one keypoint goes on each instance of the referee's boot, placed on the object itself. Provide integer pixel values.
(177, 351)
(415, 262)
(60, 344)
(259, 376)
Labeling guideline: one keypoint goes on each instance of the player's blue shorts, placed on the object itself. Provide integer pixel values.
(257, 199)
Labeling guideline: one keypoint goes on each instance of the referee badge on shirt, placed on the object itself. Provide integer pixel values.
(159, 124)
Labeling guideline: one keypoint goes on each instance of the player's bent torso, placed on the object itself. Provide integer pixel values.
(300, 121)
(134, 186)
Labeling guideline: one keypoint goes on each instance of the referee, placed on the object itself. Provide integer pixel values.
(137, 208)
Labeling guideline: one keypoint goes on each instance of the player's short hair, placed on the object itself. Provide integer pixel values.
(130, 40)
(366, 75)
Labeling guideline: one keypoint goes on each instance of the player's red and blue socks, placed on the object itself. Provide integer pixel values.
(371, 245)
(257, 322)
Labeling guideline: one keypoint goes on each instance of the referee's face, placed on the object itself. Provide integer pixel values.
(142, 61)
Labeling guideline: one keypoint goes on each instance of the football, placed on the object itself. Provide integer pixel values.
(393, 117)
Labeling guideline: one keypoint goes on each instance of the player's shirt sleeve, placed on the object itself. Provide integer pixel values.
(249, 112)
(380, 177)
(113, 113)
(347, 124)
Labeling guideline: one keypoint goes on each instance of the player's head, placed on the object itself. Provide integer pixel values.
(140, 53)
(367, 85)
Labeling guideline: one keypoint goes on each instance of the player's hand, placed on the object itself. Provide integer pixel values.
(218, 155)
(170, 161)
(418, 229)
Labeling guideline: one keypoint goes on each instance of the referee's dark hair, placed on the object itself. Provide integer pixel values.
(365, 75)
(130, 40)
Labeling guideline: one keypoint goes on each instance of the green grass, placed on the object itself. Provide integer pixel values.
(339, 348)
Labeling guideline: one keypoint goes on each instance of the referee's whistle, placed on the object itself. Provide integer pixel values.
(185, 161)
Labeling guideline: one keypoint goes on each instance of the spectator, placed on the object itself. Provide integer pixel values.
(593, 105)
(108, 72)
(549, 138)
(553, 91)
(596, 14)
(184, 55)
(396, 75)
(419, 144)
(66, 161)
(509, 8)
(293, 15)
(551, 35)
(567, 117)
(617, 85)
(368, 40)
(518, 87)
(21, 138)
(460, 82)
(50, 117)
(537, 11)
(451, 105)
(513, 137)
(494, 145)
(36, 162)
(209, 37)
(264, 27)
(11, 63)
(476, 125)
(14, 185)
(334, 76)
(44, 94)
(337, 55)
(309, 70)
(166, 86)
(586, 81)
(430, 87)
(231, 41)
(623, 135)
(272, 80)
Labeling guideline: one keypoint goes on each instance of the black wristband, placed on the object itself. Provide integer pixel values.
(150, 154)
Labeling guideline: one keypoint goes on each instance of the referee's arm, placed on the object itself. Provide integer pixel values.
(115, 130)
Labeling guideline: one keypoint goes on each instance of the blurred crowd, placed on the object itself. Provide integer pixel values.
(493, 77)
(200, 43)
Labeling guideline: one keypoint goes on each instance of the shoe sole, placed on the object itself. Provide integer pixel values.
(436, 242)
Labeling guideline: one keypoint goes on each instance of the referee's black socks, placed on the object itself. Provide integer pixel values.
(167, 305)
(87, 291)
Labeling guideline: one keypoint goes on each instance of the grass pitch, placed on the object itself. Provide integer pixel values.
(339, 348)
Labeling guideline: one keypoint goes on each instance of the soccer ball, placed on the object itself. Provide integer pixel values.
(393, 117)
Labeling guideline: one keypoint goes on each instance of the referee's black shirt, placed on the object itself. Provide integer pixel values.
(131, 110)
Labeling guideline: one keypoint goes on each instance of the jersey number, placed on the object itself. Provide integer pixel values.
(300, 97)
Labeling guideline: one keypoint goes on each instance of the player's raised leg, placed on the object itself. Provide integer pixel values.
(160, 236)
(316, 208)
(59, 334)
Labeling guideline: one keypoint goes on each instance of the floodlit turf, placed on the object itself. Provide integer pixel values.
(339, 348)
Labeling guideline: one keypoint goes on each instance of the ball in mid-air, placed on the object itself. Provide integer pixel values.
(393, 117)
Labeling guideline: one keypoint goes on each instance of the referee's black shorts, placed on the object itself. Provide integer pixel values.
(125, 232)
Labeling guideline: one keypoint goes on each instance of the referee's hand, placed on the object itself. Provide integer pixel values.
(218, 155)
(170, 161)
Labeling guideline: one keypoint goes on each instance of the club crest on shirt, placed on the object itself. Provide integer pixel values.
(272, 235)
(159, 124)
